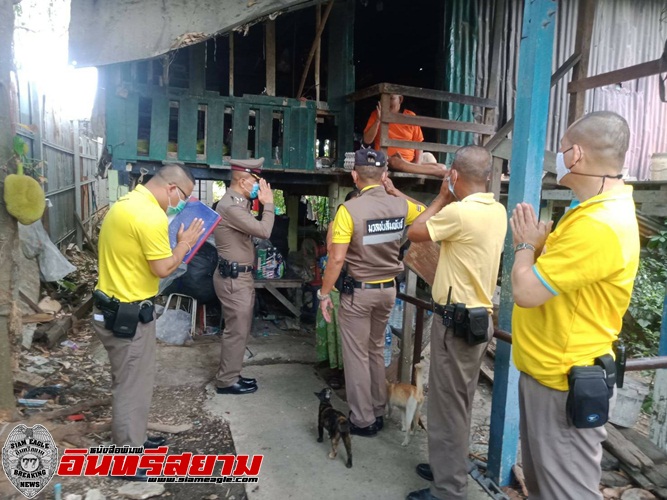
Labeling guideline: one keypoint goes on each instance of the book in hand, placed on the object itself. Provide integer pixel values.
(194, 209)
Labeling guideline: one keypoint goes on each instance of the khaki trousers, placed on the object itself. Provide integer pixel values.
(559, 460)
(453, 376)
(362, 318)
(132, 380)
(237, 297)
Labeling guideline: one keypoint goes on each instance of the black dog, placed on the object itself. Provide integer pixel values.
(335, 423)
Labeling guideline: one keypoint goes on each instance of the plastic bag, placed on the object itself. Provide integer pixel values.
(197, 282)
(173, 327)
(165, 282)
(35, 242)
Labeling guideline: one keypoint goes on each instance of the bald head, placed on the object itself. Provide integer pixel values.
(176, 174)
(473, 163)
(603, 136)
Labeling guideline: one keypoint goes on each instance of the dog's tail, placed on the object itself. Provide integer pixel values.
(418, 379)
(344, 425)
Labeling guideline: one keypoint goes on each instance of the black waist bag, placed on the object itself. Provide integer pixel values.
(127, 319)
(478, 325)
(588, 399)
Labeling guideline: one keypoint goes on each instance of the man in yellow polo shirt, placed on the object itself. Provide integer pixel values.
(470, 227)
(570, 302)
(134, 253)
(367, 234)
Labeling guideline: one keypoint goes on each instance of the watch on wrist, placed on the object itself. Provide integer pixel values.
(524, 246)
(322, 297)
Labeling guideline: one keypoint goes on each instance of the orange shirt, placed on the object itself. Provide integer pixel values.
(399, 132)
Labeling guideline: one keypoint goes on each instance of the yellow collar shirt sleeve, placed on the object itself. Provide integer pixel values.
(589, 265)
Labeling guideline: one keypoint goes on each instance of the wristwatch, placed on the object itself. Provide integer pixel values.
(321, 297)
(524, 246)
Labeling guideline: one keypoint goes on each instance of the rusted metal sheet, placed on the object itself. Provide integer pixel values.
(106, 32)
(422, 258)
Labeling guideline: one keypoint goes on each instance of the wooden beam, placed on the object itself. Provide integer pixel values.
(270, 47)
(384, 127)
(409, 311)
(313, 48)
(620, 75)
(438, 123)
(582, 45)
(359, 95)
(283, 300)
(437, 95)
(496, 50)
(424, 146)
(318, 51)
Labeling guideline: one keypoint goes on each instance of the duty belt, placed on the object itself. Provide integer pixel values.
(385, 284)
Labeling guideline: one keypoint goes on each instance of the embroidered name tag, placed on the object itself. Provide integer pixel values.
(383, 230)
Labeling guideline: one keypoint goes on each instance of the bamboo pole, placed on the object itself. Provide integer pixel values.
(311, 54)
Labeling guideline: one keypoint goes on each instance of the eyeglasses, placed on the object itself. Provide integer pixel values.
(184, 195)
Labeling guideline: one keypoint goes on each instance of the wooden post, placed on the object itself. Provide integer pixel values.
(292, 203)
(77, 182)
(532, 105)
(231, 63)
(318, 51)
(385, 100)
(197, 72)
(270, 48)
(582, 45)
(409, 311)
(658, 431)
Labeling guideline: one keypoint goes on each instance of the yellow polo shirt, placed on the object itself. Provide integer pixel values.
(133, 233)
(471, 233)
(343, 226)
(590, 265)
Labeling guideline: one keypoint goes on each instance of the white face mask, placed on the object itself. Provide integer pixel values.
(561, 169)
(451, 189)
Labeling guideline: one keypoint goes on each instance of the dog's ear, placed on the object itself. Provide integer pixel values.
(317, 394)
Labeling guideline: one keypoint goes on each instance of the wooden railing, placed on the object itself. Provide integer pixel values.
(385, 90)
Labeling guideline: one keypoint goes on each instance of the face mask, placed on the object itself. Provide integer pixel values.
(451, 188)
(178, 208)
(561, 169)
(254, 191)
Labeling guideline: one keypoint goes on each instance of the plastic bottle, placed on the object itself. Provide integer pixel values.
(387, 346)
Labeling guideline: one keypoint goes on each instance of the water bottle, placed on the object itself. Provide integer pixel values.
(387, 346)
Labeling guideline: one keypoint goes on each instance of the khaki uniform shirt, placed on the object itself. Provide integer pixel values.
(233, 236)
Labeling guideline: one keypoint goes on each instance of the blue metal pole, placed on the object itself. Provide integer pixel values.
(529, 137)
(662, 349)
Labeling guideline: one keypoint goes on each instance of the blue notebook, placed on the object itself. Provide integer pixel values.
(194, 209)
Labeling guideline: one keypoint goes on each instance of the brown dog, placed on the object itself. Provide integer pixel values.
(336, 423)
(410, 399)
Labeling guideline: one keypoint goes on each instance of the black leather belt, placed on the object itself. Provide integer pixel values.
(245, 269)
(386, 284)
(438, 309)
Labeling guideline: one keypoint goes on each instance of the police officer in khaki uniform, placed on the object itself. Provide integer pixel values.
(366, 236)
(234, 282)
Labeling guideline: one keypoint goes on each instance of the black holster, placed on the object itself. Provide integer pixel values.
(228, 269)
(348, 285)
(472, 325)
(122, 318)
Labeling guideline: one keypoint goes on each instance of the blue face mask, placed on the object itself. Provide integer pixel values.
(451, 189)
(178, 208)
(254, 191)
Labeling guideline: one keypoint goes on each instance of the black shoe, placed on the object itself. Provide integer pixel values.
(237, 388)
(379, 423)
(139, 476)
(248, 381)
(155, 442)
(424, 494)
(424, 471)
(369, 431)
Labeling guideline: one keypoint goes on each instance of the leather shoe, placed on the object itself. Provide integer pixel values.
(379, 423)
(424, 494)
(424, 471)
(368, 431)
(237, 388)
(248, 381)
(139, 476)
(155, 442)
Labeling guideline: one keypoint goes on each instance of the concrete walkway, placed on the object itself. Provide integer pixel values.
(280, 421)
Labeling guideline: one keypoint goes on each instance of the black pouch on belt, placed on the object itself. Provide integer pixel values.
(127, 319)
(588, 399)
(478, 325)
(146, 311)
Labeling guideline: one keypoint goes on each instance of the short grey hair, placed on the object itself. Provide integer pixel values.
(604, 134)
(473, 163)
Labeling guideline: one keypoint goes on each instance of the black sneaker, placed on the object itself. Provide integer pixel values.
(379, 423)
(368, 431)
(424, 471)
